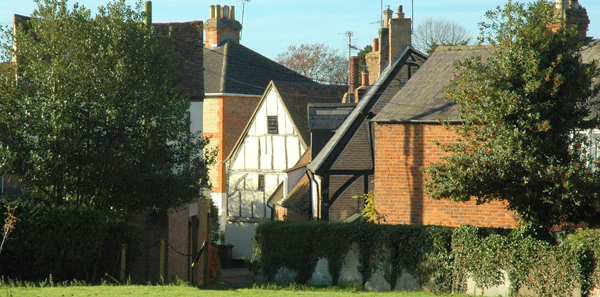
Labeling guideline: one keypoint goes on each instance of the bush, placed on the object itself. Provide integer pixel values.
(63, 241)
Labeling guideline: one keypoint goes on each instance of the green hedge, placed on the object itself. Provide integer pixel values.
(60, 241)
(448, 256)
(299, 245)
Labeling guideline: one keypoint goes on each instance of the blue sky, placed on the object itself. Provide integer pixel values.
(270, 26)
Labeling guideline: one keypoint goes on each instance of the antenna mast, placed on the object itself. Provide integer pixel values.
(243, 9)
(412, 16)
(381, 14)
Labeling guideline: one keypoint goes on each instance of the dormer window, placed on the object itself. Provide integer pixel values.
(272, 125)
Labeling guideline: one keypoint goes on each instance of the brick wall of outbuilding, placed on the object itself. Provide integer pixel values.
(401, 149)
(188, 229)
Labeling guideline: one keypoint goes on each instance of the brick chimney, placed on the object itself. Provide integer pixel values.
(395, 33)
(573, 14)
(354, 78)
(360, 91)
(221, 26)
(400, 32)
(354, 60)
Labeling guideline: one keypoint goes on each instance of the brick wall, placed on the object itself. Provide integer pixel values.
(286, 214)
(400, 151)
(345, 205)
(224, 119)
(178, 240)
(186, 235)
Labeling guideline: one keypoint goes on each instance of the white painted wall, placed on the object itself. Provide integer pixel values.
(220, 200)
(241, 236)
(293, 177)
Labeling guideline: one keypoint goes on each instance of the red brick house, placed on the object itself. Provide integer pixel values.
(407, 126)
(405, 131)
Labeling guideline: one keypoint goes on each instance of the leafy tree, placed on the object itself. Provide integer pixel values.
(362, 58)
(316, 61)
(521, 111)
(432, 33)
(96, 118)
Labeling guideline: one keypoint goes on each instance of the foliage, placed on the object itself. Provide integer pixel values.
(369, 211)
(9, 224)
(431, 33)
(316, 61)
(548, 270)
(362, 59)
(215, 224)
(521, 110)
(418, 250)
(96, 118)
(63, 241)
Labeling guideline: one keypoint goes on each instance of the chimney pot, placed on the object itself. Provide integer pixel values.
(365, 78)
(225, 12)
(217, 11)
(387, 15)
(232, 12)
(375, 44)
(212, 12)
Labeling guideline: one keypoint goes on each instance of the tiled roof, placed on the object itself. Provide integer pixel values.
(328, 116)
(298, 96)
(423, 97)
(186, 39)
(384, 89)
(591, 50)
(299, 197)
(277, 195)
(235, 69)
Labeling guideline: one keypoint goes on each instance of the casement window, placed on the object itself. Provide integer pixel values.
(272, 124)
(261, 182)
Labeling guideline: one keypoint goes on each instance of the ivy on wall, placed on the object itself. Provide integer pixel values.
(447, 256)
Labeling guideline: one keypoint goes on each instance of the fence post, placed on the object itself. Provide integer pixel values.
(207, 249)
(162, 261)
(123, 261)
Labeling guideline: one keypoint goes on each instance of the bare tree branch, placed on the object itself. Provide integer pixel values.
(432, 33)
(316, 61)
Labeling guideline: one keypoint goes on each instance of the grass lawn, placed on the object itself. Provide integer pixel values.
(184, 291)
